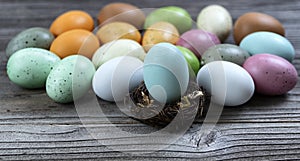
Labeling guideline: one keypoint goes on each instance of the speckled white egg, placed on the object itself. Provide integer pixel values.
(117, 77)
(229, 84)
(29, 68)
(70, 79)
(121, 47)
(166, 73)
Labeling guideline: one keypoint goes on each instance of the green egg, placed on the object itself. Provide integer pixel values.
(191, 58)
(177, 16)
(36, 37)
(70, 79)
(30, 67)
(226, 52)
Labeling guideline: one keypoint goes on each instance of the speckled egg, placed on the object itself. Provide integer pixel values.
(160, 32)
(35, 37)
(268, 42)
(29, 68)
(229, 84)
(121, 47)
(227, 52)
(272, 74)
(215, 19)
(198, 41)
(166, 73)
(70, 79)
(118, 30)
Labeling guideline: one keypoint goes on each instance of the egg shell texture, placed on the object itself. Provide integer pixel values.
(190, 58)
(268, 42)
(29, 68)
(35, 37)
(70, 79)
(272, 75)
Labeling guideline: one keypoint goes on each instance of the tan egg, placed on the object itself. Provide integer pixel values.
(254, 21)
(160, 32)
(123, 12)
(118, 30)
(73, 42)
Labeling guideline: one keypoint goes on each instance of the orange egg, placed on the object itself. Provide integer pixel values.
(74, 19)
(77, 41)
(118, 30)
(160, 32)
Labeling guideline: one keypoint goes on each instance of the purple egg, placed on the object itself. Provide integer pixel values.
(272, 74)
(198, 41)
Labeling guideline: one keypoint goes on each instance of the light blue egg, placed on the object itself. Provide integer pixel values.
(166, 73)
(268, 42)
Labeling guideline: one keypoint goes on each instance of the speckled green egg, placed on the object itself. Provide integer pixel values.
(30, 67)
(227, 52)
(70, 79)
(36, 37)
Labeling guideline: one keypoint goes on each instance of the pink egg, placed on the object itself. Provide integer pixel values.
(198, 41)
(272, 74)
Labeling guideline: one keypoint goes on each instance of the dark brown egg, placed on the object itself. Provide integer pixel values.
(253, 22)
(123, 12)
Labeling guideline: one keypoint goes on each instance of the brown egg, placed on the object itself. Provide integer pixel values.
(253, 22)
(121, 12)
(118, 30)
(160, 32)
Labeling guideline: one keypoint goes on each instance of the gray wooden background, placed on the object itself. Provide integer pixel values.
(32, 127)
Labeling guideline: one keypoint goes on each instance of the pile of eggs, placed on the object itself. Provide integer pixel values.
(161, 48)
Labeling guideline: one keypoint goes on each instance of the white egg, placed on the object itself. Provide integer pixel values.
(228, 83)
(121, 47)
(117, 77)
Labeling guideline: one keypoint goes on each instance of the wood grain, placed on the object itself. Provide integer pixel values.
(32, 127)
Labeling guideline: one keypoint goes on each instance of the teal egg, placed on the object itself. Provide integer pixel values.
(30, 67)
(268, 42)
(177, 16)
(166, 73)
(70, 79)
(36, 37)
(226, 52)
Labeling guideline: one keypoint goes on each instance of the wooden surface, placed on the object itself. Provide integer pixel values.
(32, 127)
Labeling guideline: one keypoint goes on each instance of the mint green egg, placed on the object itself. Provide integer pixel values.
(30, 67)
(70, 79)
(36, 37)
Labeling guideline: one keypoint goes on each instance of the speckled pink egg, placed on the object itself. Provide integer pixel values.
(198, 41)
(272, 74)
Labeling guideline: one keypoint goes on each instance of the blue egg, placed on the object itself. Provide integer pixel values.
(166, 73)
(268, 42)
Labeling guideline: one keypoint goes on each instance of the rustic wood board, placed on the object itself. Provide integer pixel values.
(32, 127)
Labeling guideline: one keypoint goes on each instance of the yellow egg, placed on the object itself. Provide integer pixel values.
(73, 42)
(160, 32)
(74, 19)
(118, 30)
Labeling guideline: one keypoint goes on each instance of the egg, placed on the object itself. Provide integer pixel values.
(35, 37)
(268, 42)
(227, 52)
(229, 84)
(121, 47)
(198, 41)
(177, 16)
(29, 67)
(190, 58)
(166, 73)
(122, 12)
(272, 74)
(117, 77)
(74, 19)
(77, 41)
(118, 30)
(215, 19)
(160, 32)
(253, 22)
(70, 79)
